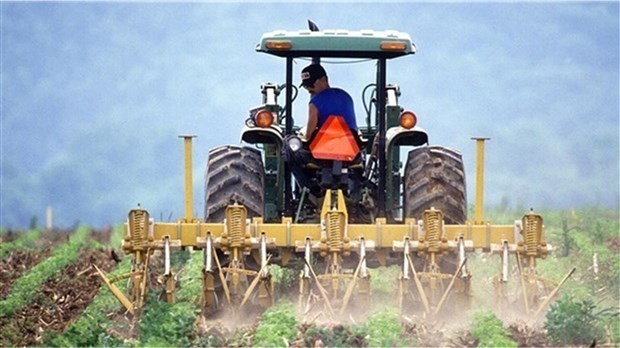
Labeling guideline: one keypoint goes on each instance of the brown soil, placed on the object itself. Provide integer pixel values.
(60, 301)
(16, 264)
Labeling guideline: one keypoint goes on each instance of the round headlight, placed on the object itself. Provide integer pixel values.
(295, 143)
(407, 119)
(264, 118)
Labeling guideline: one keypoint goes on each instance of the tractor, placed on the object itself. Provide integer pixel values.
(359, 209)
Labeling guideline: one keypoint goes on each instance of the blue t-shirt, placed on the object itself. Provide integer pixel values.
(335, 101)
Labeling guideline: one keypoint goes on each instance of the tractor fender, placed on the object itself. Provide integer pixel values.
(257, 135)
(399, 136)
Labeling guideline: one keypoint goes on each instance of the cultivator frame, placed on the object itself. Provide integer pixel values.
(427, 240)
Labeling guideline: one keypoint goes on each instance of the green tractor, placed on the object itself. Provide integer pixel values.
(376, 186)
(259, 176)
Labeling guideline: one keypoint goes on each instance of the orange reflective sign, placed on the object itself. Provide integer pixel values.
(334, 141)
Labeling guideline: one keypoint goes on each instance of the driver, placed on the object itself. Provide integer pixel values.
(325, 100)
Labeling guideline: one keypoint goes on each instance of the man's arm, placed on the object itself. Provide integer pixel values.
(313, 120)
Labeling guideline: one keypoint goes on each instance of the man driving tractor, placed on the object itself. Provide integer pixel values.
(326, 102)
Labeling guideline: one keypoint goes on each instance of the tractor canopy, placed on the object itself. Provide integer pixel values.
(337, 44)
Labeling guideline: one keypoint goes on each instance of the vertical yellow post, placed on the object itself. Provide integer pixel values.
(479, 218)
(189, 197)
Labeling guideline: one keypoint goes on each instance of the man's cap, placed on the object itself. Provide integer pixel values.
(311, 73)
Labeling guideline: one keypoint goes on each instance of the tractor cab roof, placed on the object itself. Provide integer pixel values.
(337, 44)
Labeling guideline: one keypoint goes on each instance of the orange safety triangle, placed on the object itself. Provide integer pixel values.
(334, 141)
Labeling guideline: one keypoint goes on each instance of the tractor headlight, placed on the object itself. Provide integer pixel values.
(295, 143)
(407, 119)
(264, 118)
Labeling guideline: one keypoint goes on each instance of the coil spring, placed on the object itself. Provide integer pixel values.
(235, 234)
(531, 233)
(138, 232)
(334, 231)
(432, 221)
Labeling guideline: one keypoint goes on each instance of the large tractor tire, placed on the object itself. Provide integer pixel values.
(234, 174)
(434, 177)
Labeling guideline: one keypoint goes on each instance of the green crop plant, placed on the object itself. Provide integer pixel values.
(283, 278)
(164, 324)
(335, 336)
(572, 322)
(117, 236)
(383, 279)
(28, 285)
(586, 235)
(167, 325)
(277, 327)
(384, 330)
(489, 331)
(26, 240)
(190, 276)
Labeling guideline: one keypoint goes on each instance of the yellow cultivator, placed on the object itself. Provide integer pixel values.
(433, 257)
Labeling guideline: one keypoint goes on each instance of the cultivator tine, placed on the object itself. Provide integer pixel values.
(554, 291)
(222, 276)
(143, 279)
(169, 274)
(259, 277)
(116, 291)
(449, 288)
(351, 286)
(505, 261)
(364, 278)
(167, 256)
(419, 286)
(322, 290)
(208, 298)
(523, 287)
(500, 281)
(462, 257)
(265, 291)
(304, 276)
(208, 253)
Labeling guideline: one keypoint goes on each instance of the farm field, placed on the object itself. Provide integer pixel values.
(52, 296)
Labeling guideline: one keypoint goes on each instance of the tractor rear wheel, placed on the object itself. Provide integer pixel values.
(234, 174)
(434, 177)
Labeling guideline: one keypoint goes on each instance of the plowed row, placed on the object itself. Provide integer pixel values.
(61, 298)
(72, 308)
(64, 297)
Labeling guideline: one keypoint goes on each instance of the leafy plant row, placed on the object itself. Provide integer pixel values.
(27, 285)
(489, 331)
(26, 240)
(166, 325)
(90, 328)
